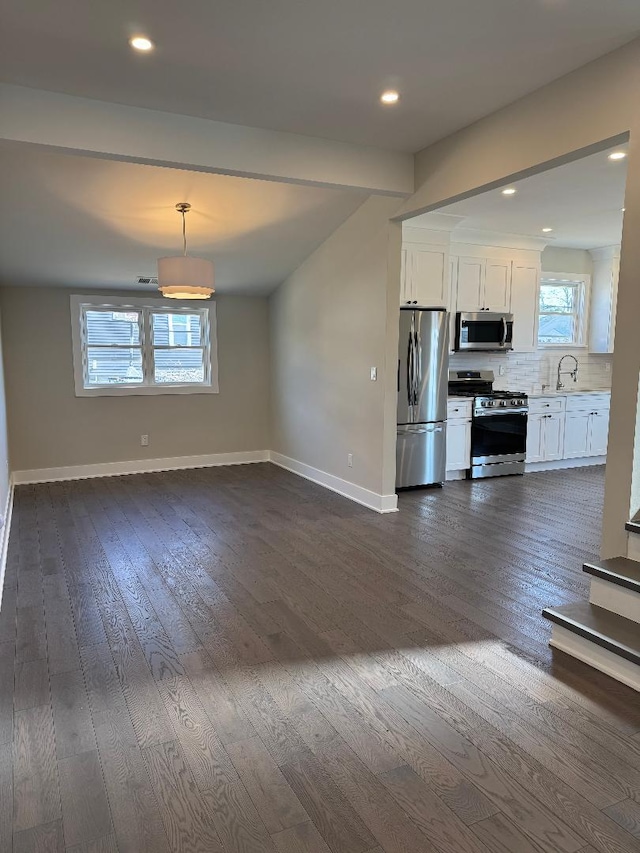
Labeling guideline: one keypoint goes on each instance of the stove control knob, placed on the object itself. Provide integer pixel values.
(503, 402)
(515, 402)
(490, 403)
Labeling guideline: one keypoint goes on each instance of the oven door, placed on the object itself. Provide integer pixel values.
(498, 438)
(484, 332)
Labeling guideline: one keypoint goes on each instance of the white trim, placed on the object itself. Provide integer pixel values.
(152, 302)
(633, 546)
(456, 475)
(581, 314)
(594, 655)
(372, 500)
(138, 466)
(4, 536)
(618, 599)
(558, 464)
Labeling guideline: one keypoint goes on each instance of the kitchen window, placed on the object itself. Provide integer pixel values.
(562, 310)
(143, 347)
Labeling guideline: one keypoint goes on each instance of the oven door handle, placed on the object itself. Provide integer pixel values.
(503, 414)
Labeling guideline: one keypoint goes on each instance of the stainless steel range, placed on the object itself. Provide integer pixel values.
(498, 427)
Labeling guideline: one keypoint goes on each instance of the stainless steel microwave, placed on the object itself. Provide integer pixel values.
(483, 331)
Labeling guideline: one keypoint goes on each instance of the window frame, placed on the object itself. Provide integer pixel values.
(146, 307)
(583, 282)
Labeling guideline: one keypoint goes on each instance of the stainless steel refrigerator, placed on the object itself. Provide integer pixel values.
(422, 397)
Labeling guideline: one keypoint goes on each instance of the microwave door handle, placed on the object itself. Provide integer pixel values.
(504, 332)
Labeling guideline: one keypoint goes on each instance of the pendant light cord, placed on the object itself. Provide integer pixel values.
(184, 235)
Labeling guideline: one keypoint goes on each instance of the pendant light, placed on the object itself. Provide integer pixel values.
(183, 277)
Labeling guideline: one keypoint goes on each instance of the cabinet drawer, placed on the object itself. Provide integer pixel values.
(459, 409)
(546, 405)
(590, 402)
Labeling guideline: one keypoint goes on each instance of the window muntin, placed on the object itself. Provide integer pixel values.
(562, 311)
(141, 348)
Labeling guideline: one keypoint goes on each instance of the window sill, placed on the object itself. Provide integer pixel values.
(145, 390)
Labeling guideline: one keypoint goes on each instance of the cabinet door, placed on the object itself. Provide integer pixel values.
(576, 434)
(535, 446)
(554, 436)
(453, 299)
(497, 286)
(430, 276)
(525, 295)
(470, 284)
(406, 279)
(598, 432)
(458, 445)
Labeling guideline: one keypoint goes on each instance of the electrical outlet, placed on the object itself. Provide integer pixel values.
(374, 374)
(502, 370)
(607, 367)
(350, 460)
(144, 441)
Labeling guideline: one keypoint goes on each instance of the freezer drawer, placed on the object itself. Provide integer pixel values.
(421, 452)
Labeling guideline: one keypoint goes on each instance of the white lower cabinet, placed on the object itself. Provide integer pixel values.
(545, 434)
(458, 444)
(567, 427)
(586, 434)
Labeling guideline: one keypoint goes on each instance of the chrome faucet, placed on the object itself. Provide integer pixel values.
(572, 373)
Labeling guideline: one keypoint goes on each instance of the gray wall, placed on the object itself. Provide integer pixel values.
(4, 446)
(328, 328)
(50, 427)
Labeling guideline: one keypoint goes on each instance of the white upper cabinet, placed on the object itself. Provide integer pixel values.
(470, 293)
(604, 298)
(425, 269)
(525, 297)
(497, 285)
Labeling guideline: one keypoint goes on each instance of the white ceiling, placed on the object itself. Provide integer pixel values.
(582, 201)
(75, 221)
(314, 68)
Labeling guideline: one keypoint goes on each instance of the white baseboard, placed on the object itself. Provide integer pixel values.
(618, 599)
(456, 475)
(4, 536)
(633, 546)
(138, 466)
(590, 653)
(372, 500)
(559, 464)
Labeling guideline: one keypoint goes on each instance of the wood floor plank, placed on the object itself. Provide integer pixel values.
(71, 715)
(31, 684)
(6, 796)
(6, 691)
(303, 838)
(204, 753)
(46, 838)
(627, 814)
(85, 808)
(136, 816)
(272, 796)
(111, 720)
(36, 795)
(185, 813)
(501, 836)
(107, 844)
(340, 826)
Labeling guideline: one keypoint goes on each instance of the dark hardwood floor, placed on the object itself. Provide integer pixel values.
(234, 659)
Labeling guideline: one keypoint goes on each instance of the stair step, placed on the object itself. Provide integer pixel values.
(608, 630)
(619, 570)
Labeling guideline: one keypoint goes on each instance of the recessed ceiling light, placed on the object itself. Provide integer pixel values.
(141, 43)
(617, 155)
(390, 97)
(623, 209)
(509, 191)
(546, 230)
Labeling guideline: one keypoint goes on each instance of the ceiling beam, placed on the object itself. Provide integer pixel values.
(105, 130)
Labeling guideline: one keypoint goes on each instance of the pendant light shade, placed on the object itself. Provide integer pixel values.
(183, 277)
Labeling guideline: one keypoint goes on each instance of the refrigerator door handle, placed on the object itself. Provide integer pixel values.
(409, 372)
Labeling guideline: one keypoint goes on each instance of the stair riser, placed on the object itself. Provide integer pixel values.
(590, 653)
(617, 599)
(633, 547)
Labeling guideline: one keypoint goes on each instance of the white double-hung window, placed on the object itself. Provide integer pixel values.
(138, 346)
(563, 309)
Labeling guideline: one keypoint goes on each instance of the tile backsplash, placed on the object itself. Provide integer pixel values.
(534, 372)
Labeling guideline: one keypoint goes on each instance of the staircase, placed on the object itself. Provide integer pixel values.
(633, 528)
(605, 631)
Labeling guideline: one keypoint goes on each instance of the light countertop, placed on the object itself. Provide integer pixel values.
(568, 392)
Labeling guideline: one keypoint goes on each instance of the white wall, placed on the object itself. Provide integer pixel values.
(328, 328)
(50, 427)
(559, 259)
